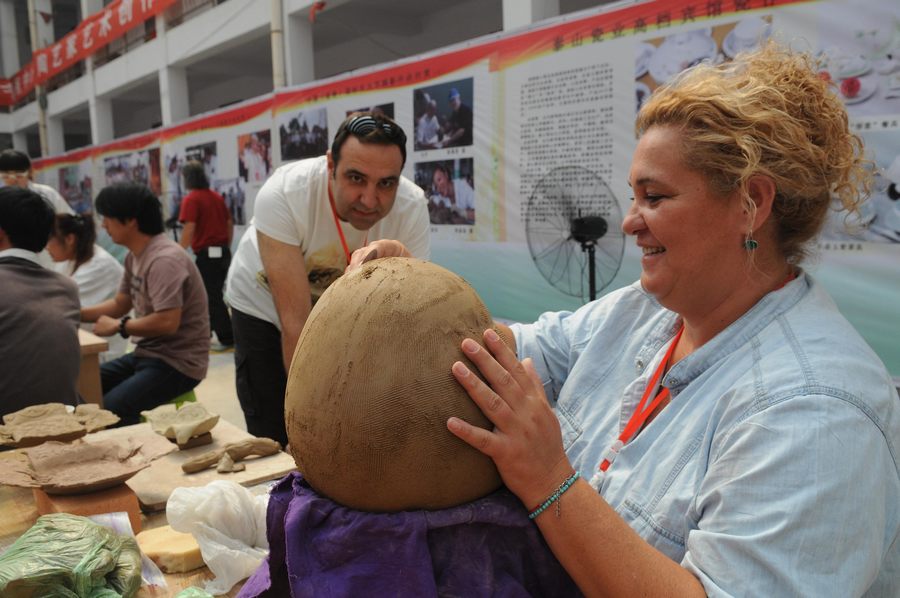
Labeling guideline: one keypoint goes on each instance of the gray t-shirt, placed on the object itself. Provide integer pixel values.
(39, 350)
(165, 277)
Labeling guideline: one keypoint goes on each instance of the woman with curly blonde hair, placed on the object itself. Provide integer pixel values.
(717, 428)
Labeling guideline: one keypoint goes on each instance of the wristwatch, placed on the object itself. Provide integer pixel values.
(122, 332)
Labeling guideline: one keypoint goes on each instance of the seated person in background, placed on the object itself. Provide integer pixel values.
(171, 322)
(39, 350)
(15, 171)
(760, 453)
(94, 270)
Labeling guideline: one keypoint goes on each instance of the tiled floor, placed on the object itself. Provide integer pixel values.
(217, 391)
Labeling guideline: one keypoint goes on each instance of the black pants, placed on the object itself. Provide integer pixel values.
(213, 271)
(134, 384)
(260, 375)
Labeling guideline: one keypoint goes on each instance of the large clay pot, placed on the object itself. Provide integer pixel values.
(370, 390)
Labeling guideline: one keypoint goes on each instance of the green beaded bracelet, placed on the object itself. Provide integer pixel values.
(555, 496)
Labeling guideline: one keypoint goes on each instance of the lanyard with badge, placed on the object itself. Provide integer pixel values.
(643, 410)
(337, 225)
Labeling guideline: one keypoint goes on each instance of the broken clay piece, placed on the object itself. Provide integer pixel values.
(225, 459)
(194, 441)
(37, 424)
(181, 424)
(82, 466)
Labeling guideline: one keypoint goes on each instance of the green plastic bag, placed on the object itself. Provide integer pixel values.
(68, 556)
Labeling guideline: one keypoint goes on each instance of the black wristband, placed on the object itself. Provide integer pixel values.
(122, 332)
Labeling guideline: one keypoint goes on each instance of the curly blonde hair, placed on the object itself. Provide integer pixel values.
(768, 112)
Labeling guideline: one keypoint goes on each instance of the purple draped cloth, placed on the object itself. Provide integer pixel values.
(487, 547)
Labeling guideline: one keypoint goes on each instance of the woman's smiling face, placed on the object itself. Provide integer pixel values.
(690, 236)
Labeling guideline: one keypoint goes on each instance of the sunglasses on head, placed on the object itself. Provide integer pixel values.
(363, 125)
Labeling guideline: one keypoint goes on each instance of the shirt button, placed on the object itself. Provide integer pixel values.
(640, 364)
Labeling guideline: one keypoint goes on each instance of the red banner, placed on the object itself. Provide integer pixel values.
(93, 33)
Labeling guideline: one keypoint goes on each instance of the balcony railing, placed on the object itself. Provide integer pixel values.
(186, 10)
(131, 40)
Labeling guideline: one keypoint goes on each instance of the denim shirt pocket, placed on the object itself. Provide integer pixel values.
(571, 430)
(658, 503)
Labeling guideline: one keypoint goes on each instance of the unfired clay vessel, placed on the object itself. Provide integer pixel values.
(370, 390)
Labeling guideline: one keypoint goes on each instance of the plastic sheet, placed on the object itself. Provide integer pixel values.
(229, 524)
(68, 556)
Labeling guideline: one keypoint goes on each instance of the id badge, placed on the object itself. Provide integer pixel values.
(215, 252)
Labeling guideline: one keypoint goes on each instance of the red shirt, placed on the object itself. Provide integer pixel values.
(207, 210)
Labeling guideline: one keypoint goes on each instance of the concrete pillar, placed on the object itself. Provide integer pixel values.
(175, 104)
(519, 13)
(100, 110)
(56, 142)
(173, 95)
(20, 141)
(9, 40)
(299, 59)
(89, 7)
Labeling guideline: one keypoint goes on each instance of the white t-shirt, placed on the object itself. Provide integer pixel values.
(427, 129)
(60, 205)
(98, 280)
(293, 207)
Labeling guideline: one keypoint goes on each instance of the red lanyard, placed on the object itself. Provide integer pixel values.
(641, 414)
(337, 225)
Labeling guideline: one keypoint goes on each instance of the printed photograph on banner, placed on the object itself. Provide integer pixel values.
(137, 167)
(383, 109)
(206, 154)
(303, 134)
(174, 185)
(255, 156)
(860, 54)
(443, 115)
(659, 59)
(449, 187)
(233, 191)
(76, 187)
(878, 219)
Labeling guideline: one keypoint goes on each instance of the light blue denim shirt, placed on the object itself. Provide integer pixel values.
(773, 471)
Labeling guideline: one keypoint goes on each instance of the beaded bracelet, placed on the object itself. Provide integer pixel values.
(555, 496)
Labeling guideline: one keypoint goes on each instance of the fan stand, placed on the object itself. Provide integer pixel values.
(587, 231)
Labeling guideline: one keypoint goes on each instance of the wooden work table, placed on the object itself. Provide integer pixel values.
(89, 372)
(18, 510)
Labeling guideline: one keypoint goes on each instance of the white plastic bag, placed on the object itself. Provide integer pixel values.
(229, 524)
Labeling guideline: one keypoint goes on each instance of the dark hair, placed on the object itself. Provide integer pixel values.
(369, 127)
(194, 175)
(25, 217)
(125, 201)
(14, 161)
(82, 226)
(443, 168)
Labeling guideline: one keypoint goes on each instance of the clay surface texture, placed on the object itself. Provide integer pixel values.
(370, 390)
(83, 466)
(37, 424)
